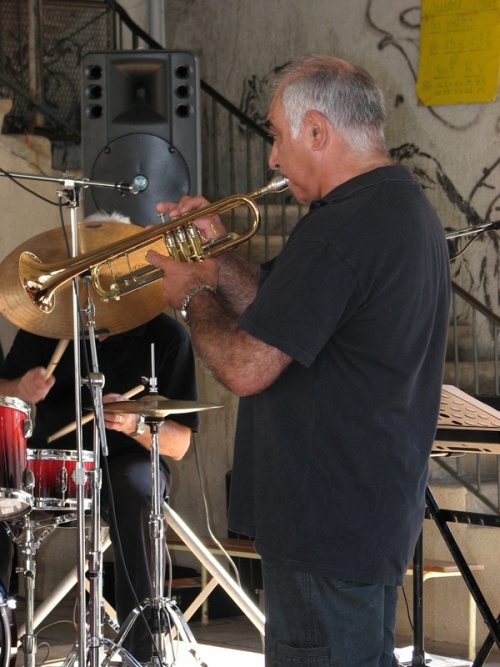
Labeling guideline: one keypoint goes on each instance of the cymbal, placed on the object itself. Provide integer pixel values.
(157, 406)
(113, 316)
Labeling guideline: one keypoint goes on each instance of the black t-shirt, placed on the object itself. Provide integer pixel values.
(331, 460)
(123, 359)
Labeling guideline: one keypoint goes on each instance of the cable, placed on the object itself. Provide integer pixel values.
(207, 515)
(466, 247)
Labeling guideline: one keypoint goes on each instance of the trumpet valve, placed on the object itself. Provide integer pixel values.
(171, 246)
(184, 244)
(196, 246)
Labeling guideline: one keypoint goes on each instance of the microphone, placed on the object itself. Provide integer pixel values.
(127, 188)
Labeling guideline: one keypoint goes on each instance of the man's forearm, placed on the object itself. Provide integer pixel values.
(242, 363)
(237, 282)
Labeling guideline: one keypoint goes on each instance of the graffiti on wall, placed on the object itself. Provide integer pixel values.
(399, 32)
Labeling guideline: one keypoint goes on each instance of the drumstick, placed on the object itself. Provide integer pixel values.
(58, 353)
(87, 418)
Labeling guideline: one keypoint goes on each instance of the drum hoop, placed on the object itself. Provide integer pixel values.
(57, 455)
(17, 403)
(53, 504)
(21, 497)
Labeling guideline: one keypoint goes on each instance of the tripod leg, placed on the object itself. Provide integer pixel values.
(418, 657)
(124, 630)
(465, 571)
(162, 619)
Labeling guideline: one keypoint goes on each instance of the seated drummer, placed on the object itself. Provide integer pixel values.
(124, 359)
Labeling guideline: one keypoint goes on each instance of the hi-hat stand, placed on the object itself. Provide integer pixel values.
(162, 613)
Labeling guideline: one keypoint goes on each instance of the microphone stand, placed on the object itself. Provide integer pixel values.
(72, 194)
(124, 188)
(96, 641)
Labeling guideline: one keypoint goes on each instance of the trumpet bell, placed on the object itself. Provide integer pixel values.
(113, 316)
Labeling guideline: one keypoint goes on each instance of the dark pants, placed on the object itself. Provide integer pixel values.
(323, 622)
(132, 487)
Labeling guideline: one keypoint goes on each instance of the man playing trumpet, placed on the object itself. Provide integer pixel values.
(337, 350)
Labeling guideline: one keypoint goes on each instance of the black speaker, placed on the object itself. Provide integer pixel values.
(140, 131)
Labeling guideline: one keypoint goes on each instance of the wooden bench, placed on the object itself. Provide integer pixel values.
(432, 569)
(234, 547)
(242, 548)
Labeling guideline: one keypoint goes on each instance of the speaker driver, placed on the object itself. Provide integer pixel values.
(153, 164)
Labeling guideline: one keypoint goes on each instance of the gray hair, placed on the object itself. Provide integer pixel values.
(345, 94)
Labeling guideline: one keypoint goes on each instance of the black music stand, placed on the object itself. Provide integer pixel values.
(465, 425)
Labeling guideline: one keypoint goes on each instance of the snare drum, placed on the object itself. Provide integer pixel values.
(8, 632)
(54, 478)
(15, 427)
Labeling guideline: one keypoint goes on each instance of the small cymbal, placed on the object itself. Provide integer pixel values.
(113, 316)
(157, 406)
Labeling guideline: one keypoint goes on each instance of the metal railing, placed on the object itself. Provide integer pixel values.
(235, 153)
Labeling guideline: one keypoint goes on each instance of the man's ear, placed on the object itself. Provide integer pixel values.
(317, 127)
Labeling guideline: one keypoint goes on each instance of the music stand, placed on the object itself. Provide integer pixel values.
(465, 425)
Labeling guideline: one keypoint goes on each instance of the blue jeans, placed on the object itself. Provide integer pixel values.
(314, 621)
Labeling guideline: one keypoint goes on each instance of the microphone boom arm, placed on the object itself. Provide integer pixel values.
(478, 229)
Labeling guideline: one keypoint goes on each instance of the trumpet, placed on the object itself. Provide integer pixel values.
(113, 269)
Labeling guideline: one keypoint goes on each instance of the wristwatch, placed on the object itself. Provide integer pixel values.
(189, 296)
(140, 428)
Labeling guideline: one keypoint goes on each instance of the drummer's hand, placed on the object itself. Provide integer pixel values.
(124, 422)
(32, 387)
(210, 227)
(180, 277)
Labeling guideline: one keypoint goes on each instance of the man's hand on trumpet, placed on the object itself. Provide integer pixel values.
(234, 280)
(181, 278)
(210, 227)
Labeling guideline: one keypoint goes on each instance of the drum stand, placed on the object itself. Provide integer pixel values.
(28, 546)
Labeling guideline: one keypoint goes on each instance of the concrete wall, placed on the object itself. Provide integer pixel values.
(24, 215)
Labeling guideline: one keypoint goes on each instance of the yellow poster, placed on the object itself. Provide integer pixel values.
(459, 51)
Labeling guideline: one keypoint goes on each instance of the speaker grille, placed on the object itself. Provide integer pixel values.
(140, 125)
